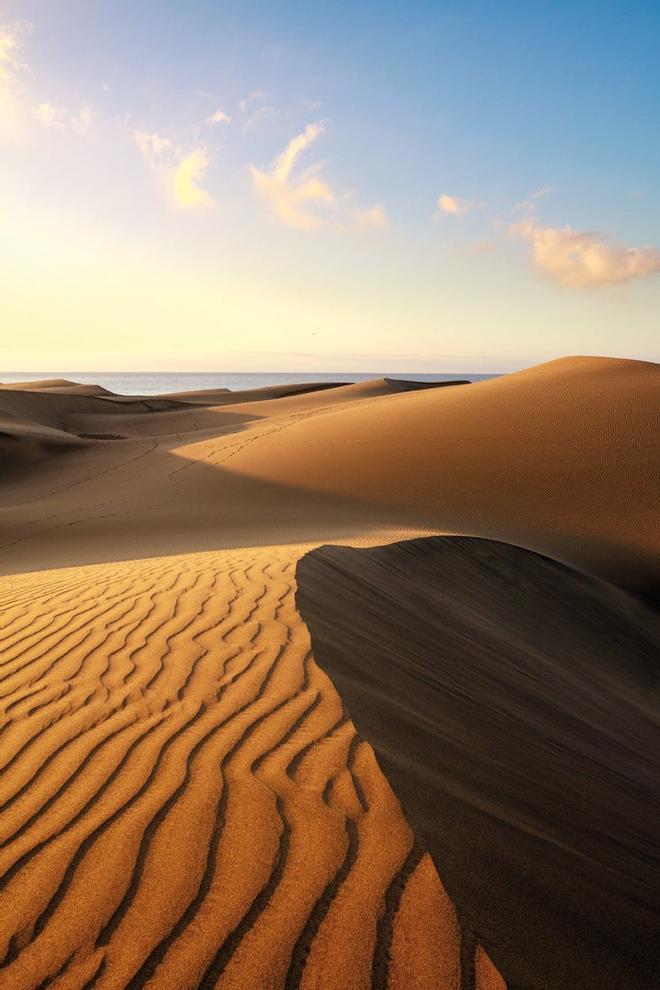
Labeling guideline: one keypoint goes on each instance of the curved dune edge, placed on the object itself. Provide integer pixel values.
(514, 706)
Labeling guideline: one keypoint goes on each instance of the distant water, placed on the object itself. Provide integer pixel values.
(155, 383)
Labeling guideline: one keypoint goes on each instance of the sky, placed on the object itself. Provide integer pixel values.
(261, 186)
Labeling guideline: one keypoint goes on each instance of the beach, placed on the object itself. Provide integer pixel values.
(331, 685)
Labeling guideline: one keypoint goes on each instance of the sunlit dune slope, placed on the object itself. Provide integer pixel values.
(561, 458)
(184, 802)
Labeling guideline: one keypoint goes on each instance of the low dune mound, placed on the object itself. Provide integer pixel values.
(41, 385)
(224, 396)
(411, 385)
(514, 706)
(83, 390)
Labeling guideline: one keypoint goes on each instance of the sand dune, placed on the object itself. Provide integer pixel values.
(184, 800)
(514, 706)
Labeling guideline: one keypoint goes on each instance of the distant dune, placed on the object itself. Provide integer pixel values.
(184, 800)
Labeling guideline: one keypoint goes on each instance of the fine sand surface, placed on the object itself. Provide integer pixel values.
(184, 801)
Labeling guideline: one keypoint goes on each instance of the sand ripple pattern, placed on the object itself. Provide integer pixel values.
(184, 802)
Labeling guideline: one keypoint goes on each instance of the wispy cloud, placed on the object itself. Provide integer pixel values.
(453, 206)
(152, 145)
(11, 62)
(83, 120)
(11, 41)
(218, 117)
(180, 173)
(49, 115)
(582, 259)
(59, 118)
(372, 219)
(291, 199)
(254, 96)
(306, 201)
(261, 113)
(528, 204)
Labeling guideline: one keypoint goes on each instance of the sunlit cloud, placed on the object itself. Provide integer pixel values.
(50, 115)
(187, 177)
(59, 118)
(372, 219)
(582, 259)
(218, 117)
(453, 206)
(11, 63)
(179, 173)
(291, 198)
(306, 201)
(152, 145)
(11, 42)
(83, 120)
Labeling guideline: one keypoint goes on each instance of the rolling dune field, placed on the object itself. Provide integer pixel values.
(184, 800)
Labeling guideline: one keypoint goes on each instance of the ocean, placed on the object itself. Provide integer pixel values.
(155, 383)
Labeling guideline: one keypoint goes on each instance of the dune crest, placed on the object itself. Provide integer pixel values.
(514, 705)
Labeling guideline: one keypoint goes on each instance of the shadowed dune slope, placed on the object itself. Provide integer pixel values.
(514, 706)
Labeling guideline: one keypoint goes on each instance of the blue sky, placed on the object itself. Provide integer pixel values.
(345, 186)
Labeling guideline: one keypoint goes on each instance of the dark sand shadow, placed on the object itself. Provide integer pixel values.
(514, 706)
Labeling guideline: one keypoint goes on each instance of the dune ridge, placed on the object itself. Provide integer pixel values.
(514, 705)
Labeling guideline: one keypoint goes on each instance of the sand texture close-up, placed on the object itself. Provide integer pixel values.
(201, 593)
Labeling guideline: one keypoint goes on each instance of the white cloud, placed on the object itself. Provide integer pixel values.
(179, 173)
(50, 115)
(59, 118)
(83, 120)
(10, 48)
(307, 201)
(218, 117)
(16, 105)
(152, 145)
(11, 64)
(374, 218)
(254, 96)
(261, 113)
(454, 206)
(582, 259)
(527, 205)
